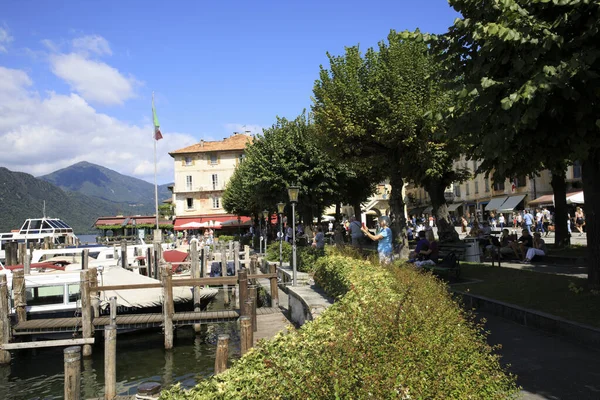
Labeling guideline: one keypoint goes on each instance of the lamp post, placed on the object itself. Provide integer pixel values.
(266, 215)
(280, 210)
(259, 234)
(293, 192)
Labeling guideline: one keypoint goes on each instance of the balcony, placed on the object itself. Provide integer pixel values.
(197, 189)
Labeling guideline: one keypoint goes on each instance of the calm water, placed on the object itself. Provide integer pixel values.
(87, 238)
(38, 374)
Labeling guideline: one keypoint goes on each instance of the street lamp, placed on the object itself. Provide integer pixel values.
(293, 192)
(280, 210)
(266, 215)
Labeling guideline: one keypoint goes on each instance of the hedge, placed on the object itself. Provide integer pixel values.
(392, 333)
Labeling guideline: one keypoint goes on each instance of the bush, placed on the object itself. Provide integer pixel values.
(393, 333)
(273, 251)
(306, 258)
(225, 238)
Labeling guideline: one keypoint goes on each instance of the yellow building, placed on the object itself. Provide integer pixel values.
(201, 174)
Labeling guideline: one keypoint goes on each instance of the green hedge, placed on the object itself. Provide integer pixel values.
(273, 251)
(393, 333)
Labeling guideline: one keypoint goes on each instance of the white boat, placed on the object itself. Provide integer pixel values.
(36, 230)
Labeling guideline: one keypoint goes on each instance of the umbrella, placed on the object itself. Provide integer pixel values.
(192, 225)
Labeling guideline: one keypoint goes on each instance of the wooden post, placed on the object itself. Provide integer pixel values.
(110, 362)
(149, 262)
(156, 248)
(27, 262)
(124, 254)
(274, 287)
(95, 295)
(222, 354)
(168, 307)
(247, 256)
(85, 258)
(115, 252)
(204, 272)
(226, 298)
(72, 357)
(86, 310)
(243, 282)
(113, 310)
(247, 334)
(21, 251)
(252, 293)
(195, 272)
(20, 295)
(236, 257)
(253, 263)
(4, 320)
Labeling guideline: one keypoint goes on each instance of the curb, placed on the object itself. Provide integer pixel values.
(584, 334)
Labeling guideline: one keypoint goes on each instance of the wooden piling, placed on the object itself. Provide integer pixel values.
(124, 263)
(156, 258)
(205, 260)
(20, 295)
(247, 334)
(86, 310)
(95, 295)
(85, 258)
(72, 360)
(195, 272)
(252, 294)
(149, 263)
(222, 354)
(253, 264)
(226, 298)
(243, 290)
(168, 306)
(4, 320)
(115, 252)
(274, 287)
(113, 310)
(110, 362)
(27, 263)
(236, 258)
(247, 256)
(21, 251)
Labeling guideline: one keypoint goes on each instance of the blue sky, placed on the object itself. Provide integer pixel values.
(91, 68)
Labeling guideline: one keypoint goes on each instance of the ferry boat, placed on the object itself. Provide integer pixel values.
(36, 230)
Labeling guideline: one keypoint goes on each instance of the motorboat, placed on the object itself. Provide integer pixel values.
(36, 230)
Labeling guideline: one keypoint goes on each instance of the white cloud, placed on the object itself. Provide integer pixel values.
(43, 133)
(92, 43)
(95, 81)
(5, 39)
(243, 128)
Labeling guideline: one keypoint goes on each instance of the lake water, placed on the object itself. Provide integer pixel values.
(87, 238)
(39, 373)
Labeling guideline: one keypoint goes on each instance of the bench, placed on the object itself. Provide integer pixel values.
(445, 248)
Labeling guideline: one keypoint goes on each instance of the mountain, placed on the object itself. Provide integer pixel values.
(22, 196)
(96, 181)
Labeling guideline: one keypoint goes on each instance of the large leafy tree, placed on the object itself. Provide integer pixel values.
(528, 91)
(383, 109)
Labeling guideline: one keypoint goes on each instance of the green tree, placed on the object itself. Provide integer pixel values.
(527, 92)
(383, 109)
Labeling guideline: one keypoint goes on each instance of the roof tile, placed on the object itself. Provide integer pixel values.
(235, 142)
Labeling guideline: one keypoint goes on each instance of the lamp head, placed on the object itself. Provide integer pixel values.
(266, 214)
(293, 192)
(280, 208)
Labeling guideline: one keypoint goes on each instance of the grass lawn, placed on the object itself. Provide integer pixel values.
(571, 251)
(538, 291)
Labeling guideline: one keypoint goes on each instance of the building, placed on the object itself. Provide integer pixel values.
(201, 174)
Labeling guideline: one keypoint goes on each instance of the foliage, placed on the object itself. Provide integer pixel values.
(273, 251)
(392, 334)
(225, 238)
(306, 258)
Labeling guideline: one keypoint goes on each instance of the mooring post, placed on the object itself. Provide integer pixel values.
(252, 294)
(115, 252)
(149, 262)
(195, 271)
(113, 310)
(85, 258)
(72, 357)
(222, 354)
(86, 310)
(247, 256)
(110, 362)
(95, 294)
(27, 262)
(243, 290)
(20, 295)
(5, 329)
(124, 253)
(168, 307)
(253, 264)
(236, 258)
(247, 334)
(21, 252)
(156, 258)
(274, 287)
(204, 272)
(226, 298)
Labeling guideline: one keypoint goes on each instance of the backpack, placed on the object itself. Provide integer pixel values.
(449, 261)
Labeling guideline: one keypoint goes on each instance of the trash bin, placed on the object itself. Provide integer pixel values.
(472, 250)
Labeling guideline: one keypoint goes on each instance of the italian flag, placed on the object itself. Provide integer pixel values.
(157, 134)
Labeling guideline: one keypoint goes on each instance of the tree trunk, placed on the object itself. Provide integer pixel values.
(338, 212)
(446, 231)
(559, 188)
(590, 173)
(397, 214)
(357, 209)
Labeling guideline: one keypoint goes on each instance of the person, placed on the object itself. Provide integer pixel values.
(330, 226)
(356, 234)
(519, 220)
(569, 224)
(384, 239)
(538, 248)
(288, 234)
(194, 239)
(521, 246)
(429, 255)
(409, 233)
(422, 245)
(319, 240)
(579, 220)
(463, 224)
(528, 220)
(501, 221)
(539, 221)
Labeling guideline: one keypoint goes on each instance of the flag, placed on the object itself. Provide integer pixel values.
(157, 134)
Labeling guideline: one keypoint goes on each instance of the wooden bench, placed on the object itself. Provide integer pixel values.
(445, 248)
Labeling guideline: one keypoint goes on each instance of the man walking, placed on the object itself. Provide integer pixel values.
(355, 232)
(528, 220)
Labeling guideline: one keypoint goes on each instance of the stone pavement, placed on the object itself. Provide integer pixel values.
(547, 366)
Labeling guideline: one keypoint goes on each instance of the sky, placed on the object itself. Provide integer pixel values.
(77, 77)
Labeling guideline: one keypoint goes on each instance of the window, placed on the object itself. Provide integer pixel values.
(476, 187)
(576, 170)
(499, 186)
(241, 157)
(457, 189)
(214, 159)
(189, 203)
(188, 161)
(474, 166)
(487, 184)
(216, 202)
(39, 296)
(467, 189)
(188, 182)
(73, 293)
(215, 181)
(520, 181)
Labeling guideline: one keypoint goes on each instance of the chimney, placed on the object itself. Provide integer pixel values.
(201, 143)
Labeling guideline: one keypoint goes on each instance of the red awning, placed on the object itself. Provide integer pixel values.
(205, 221)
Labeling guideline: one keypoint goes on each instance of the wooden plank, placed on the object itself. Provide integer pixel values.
(46, 343)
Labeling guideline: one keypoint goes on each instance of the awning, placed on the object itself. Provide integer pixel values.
(428, 210)
(575, 198)
(180, 222)
(511, 203)
(454, 207)
(547, 199)
(243, 221)
(496, 203)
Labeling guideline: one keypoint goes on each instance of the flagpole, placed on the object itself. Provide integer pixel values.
(155, 184)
